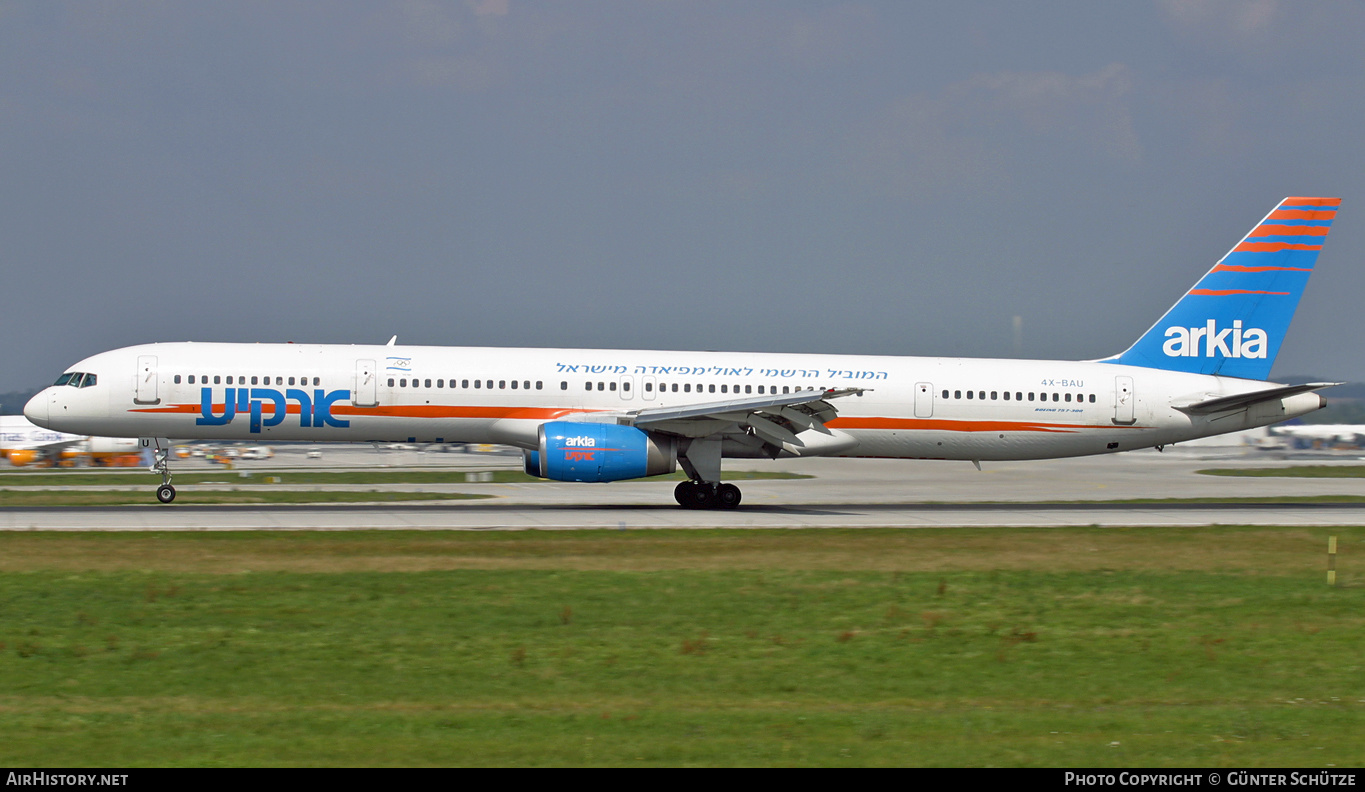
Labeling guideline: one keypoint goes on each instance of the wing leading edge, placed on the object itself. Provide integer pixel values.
(775, 421)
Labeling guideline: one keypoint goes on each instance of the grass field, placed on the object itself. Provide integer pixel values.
(1293, 471)
(1088, 647)
(294, 477)
(97, 497)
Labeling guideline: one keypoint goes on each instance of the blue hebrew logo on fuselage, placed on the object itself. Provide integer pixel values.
(314, 411)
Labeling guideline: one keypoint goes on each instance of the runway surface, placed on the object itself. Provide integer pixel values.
(485, 516)
(844, 493)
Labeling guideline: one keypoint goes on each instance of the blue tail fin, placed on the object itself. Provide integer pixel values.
(1234, 319)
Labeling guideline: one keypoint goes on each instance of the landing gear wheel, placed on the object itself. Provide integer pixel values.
(727, 496)
(165, 493)
(696, 495)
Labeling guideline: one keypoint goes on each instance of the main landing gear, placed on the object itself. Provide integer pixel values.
(706, 495)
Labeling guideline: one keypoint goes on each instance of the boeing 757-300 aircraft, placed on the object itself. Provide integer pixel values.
(607, 415)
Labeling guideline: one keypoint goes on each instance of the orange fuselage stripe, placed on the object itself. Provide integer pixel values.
(551, 413)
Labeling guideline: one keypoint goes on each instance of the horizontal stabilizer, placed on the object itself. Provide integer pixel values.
(1244, 400)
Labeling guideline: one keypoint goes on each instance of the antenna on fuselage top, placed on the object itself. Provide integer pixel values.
(391, 341)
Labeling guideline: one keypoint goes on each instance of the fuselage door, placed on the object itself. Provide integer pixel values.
(649, 386)
(1123, 401)
(146, 380)
(366, 384)
(626, 387)
(924, 400)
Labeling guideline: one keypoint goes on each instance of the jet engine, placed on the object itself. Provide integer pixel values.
(599, 452)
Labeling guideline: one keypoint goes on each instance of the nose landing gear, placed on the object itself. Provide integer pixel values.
(160, 451)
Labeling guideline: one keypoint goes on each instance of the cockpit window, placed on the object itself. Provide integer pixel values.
(75, 379)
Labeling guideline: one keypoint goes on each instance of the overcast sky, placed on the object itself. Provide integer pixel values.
(863, 177)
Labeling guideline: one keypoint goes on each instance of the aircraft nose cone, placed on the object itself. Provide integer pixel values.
(36, 409)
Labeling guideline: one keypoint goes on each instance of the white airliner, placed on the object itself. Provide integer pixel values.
(1332, 434)
(608, 415)
(23, 443)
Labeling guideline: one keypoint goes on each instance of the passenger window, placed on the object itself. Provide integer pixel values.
(217, 379)
(291, 380)
(992, 395)
(649, 387)
(514, 384)
(191, 379)
(1092, 398)
(1030, 395)
(177, 379)
(540, 384)
(1019, 396)
(969, 394)
(478, 383)
(784, 388)
(712, 389)
(687, 387)
(601, 386)
(316, 380)
(403, 383)
(1068, 398)
(390, 382)
(625, 386)
(722, 389)
(1054, 397)
(253, 380)
(1007, 395)
(440, 383)
(426, 383)
(957, 394)
(945, 393)
(563, 385)
(675, 387)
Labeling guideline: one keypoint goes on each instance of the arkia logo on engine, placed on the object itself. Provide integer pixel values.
(580, 442)
(1233, 342)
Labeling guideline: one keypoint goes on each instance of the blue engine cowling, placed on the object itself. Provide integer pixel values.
(599, 452)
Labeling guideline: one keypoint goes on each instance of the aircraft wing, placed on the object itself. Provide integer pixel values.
(771, 418)
(1244, 400)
